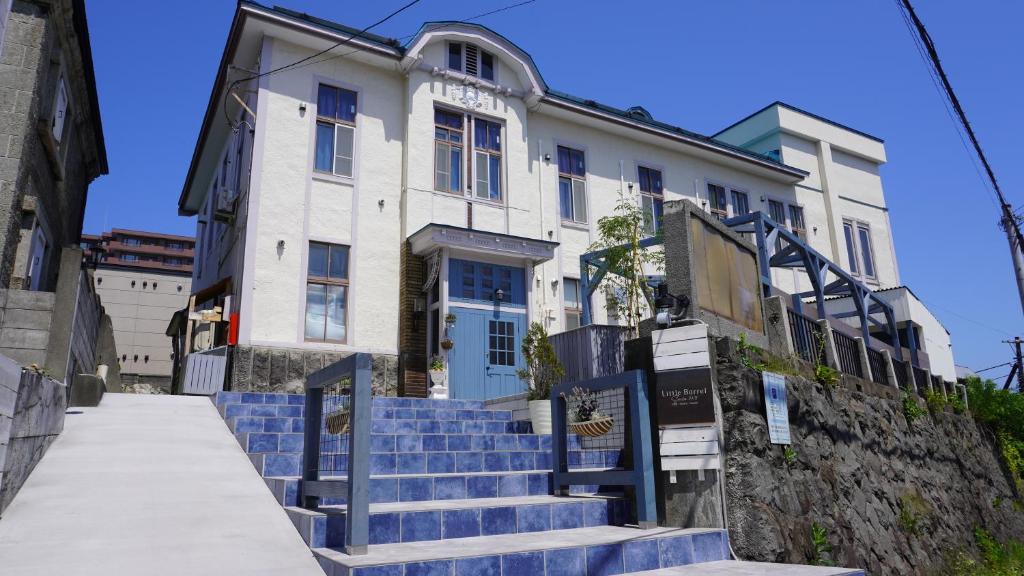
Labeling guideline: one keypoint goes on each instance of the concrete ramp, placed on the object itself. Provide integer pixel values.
(152, 485)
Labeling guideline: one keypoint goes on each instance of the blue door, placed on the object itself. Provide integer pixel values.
(487, 353)
(488, 332)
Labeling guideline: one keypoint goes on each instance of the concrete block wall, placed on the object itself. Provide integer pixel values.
(25, 320)
(32, 409)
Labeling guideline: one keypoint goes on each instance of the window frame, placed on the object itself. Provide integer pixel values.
(336, 124)
(490, 154)
(800, 231)
(462, 61)
(62, 95)
(657, 198)
(573, 178)
(327, 281)
(572, 310)
(461, 145)
(856, 266)
(730, 193)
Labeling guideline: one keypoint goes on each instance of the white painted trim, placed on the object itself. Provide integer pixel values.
(245, 292)
(487, 307)
(322, 346)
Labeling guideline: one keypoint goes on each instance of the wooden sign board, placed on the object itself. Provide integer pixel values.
(684, 397)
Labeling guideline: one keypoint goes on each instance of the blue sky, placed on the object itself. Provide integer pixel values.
(699, 65)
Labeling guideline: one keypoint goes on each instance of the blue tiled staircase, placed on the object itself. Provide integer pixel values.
(457, 489)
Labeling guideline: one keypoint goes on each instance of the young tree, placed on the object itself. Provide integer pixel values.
(620, 234)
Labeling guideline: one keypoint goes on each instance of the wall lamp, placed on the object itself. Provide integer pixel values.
(499, 295)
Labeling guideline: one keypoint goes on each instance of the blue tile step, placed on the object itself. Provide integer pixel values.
(592, 551)
(240, 424)
(738, 568)
(250, 423)
(449, 519)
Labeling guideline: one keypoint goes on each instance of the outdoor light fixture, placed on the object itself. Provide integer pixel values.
(547, 157)
(302, 108)
(499, 295)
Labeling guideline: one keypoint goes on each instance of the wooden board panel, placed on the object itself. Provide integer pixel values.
(701, 434)
(681, 347)
(679, 333)
(710, 462)
(689, 448)
(682, 361)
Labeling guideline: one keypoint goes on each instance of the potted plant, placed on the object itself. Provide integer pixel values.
(447, 344)
(584, 418)
(437, 371)
(542, 372)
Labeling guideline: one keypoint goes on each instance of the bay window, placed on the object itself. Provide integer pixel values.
(326, 292)
(335, 130)
(572, 185)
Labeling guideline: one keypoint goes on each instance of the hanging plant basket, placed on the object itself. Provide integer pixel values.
(447, 344)
(337, 422)
(593, 428)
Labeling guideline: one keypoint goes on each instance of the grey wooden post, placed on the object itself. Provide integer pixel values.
(862, 355)
(831, 355)
(357, 518)
(890, 370)
(780, 340)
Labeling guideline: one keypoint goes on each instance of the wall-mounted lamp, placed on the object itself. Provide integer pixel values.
(547, 157)
(499, 295)
(815, 228)
(419, 308)
(630, 185)
(280, 244)
(380, 203)
(302, 108)
(554, 283)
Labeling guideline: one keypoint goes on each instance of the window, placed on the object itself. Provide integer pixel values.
(326, 292)
(573, 309)
(501, 346)
(777, 212)
(448, 137)
(740, 203)
(335, 130)
(859, 249)
(470, 59)
(651, 198)
(719, 201)
(132, 242)
(487, 149)
(572, 186)
(129, 257)
(796, 221)
(60, 109)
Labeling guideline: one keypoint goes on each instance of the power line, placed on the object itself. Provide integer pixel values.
(993, 367)
(341, 43)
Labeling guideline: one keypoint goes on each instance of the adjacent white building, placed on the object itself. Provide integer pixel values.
(394, 199)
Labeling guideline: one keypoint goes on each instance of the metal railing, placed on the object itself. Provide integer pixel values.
(939, 384)
(807, 337)
(848, 353)
(624, 394)
(336, 448)
(922, 381)
(879, 374)
(900, 368)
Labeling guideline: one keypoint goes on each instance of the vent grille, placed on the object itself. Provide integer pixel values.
(472, 59)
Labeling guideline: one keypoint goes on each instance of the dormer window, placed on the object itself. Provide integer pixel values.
(471, 60)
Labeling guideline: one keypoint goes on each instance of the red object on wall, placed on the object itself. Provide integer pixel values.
(233, 329)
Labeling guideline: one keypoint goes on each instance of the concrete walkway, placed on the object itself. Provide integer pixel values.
(152, 485)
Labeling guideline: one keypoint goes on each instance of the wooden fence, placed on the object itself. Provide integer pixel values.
(591, 351)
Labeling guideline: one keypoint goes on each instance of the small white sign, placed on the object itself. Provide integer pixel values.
(776, 406)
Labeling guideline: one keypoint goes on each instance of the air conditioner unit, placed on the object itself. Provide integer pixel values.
(224, 205)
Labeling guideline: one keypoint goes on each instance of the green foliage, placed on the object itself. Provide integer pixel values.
(826, 376)
(1001, 411)
(789, 455)
(543, 370)
(745, 350)
(628, 262)
(769, 362)
(913, 510)
(997, 502)
(911, 409)
(956, 403)
(822, 548)
(436, 363)
(935, 400)
(995, 558)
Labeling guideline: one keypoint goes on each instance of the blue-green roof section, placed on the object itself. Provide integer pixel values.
(805, 113)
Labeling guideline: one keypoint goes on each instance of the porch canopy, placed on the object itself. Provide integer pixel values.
(434, 236)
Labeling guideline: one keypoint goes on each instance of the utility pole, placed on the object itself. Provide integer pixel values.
(1018, 365)
(1009, 224)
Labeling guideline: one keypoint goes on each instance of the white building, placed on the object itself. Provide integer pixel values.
(361, 198)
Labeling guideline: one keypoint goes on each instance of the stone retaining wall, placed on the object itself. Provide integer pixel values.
(858, 464)
(32, 410)
(265, 369)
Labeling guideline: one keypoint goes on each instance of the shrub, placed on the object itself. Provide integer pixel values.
(913, 510)
(997, 559)
(826, 376)
(789, 455)
(911, 409)
(935, 400)
(543, 370)
(956, 403)
(822, 548)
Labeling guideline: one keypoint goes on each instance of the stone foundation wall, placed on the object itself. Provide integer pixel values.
(858, 464)
(31, 416)
(264, 369)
